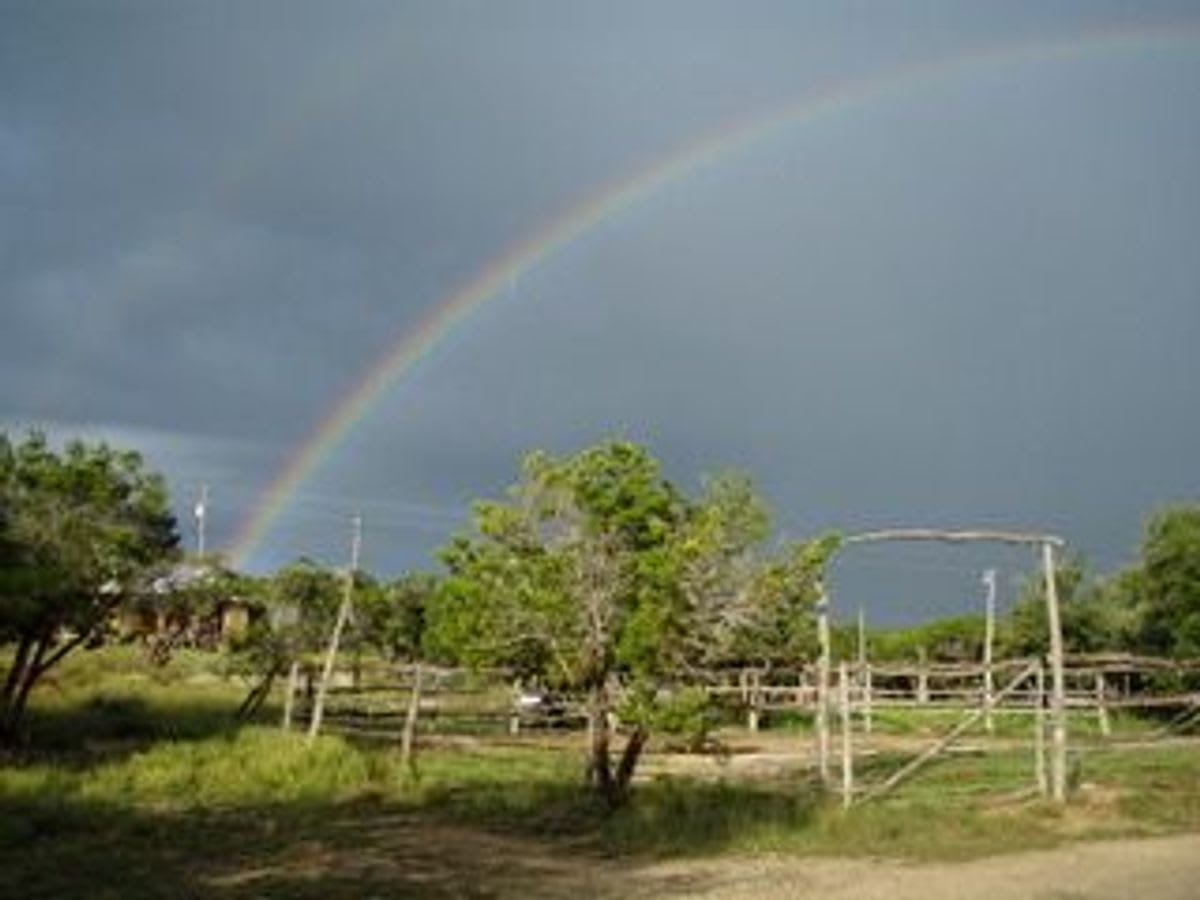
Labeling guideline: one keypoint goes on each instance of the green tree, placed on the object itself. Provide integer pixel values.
(81, 532)
(778, 626)
(595, 569)
(950, 639)
(1090, 621)
(1166, 588)
(391, 617)
(301, 601)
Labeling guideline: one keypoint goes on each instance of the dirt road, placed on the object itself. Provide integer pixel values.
(397, 856)
(1154, 869)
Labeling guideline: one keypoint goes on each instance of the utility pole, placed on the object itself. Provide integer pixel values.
(823, 661)
(989, 636)
(318, 712)
(864, 671)
(201, 514)
(1058, 689)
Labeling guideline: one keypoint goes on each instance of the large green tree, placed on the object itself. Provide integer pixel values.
(81, 531)
(390, 616)
(1166, 584)
(1088, 614)
(599, 576)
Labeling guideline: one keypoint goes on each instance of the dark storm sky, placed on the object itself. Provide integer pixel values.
(976, 301)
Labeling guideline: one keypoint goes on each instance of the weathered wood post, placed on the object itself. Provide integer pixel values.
(822, 711)
(754, 700)
(289, 697)
(1039, 730)
(410, 717)
(922, 676)
(989, 637)
(1058, 686)
(314, 725)
(1102, 705)
(514, 715)
(847, 736)
(864, 671)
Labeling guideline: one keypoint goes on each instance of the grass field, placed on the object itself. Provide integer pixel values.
(138, 783)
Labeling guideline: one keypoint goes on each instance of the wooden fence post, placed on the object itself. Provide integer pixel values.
(343, 614)
(410, 717)
(1102, 706)
(1039, 730)
(289, 698)
(847, 736)
(514, 716)
(867, 697)
(1058, 688)
(822, 711)
(989, 637)
(864, 671)
(753, 700)
(922, 677)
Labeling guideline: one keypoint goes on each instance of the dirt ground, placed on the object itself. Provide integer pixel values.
(395, 856)
(1159, 868)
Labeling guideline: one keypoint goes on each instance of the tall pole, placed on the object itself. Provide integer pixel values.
(989, 636)
(822, 722)
(862, 637)
(314, 726)
(1058, 691)
(201, 515)
(864, 670)
(847, 738)
(1039, 729)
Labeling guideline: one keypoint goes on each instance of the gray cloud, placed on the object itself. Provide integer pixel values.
(975, 302)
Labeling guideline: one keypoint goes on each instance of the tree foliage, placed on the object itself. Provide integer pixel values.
(300, 602)
(81, 531)
(1166, 585)
(390, 616)
(597, 570)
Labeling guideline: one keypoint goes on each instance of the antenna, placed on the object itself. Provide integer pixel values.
(201, 512)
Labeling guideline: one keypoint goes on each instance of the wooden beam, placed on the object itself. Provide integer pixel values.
(954, 537)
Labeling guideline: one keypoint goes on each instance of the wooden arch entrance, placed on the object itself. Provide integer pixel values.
(1048, 544)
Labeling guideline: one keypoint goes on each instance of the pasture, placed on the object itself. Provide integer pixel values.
(137, 781)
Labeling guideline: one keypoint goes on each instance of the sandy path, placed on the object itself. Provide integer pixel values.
(399, 856)
(1160, 868)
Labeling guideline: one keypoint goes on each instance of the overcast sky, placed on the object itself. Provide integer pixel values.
(974, 301)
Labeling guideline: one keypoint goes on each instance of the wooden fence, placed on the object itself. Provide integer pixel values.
(374, 700)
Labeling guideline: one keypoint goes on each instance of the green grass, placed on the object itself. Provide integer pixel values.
(138, 782)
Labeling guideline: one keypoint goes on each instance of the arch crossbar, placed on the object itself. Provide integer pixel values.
(955, 537)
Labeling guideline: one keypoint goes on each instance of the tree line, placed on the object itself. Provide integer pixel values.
(593, 574)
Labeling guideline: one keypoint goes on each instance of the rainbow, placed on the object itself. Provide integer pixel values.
(829, 100)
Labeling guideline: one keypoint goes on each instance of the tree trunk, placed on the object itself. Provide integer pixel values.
(16, 671)
(254, 700)
(600, 772)
(12, 682)
(629, 761)
(21, 679)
